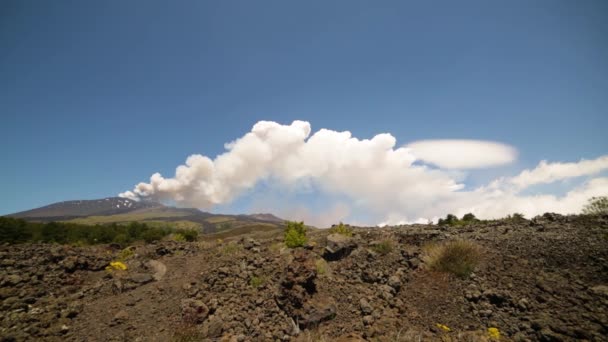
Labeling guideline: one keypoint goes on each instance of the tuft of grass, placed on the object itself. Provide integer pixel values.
(187, 333)
(459, 257)
(276, 247)
(342, 229)
(322, 267)
(256, 281)
(231, 248)
(383, 247)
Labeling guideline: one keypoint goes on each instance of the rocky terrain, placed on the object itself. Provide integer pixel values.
(544, 279)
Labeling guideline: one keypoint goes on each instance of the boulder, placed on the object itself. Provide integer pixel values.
(338, 246)
(157, 268)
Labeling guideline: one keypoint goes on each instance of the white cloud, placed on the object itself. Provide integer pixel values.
(377, 179)
(550, 172)
(463, 154)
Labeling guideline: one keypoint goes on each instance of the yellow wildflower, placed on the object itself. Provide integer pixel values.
(116, 265)
(443, 327)
(494, 333)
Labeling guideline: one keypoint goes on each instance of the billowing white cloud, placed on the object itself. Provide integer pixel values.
(463, 154)
(379, 179)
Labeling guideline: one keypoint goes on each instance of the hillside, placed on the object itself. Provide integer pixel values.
(121, 210)
(544, 279)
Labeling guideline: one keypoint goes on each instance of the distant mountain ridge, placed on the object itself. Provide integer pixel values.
(123, 210)
(83, 208)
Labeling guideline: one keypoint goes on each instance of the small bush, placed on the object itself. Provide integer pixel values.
(384, 247)
(121, 239)
(256, 281)
(189, 235)
(458, 257)
(596, 206)
(469, 217)
(295, 234)
(125, 254)
(342, 230)
(177, 237)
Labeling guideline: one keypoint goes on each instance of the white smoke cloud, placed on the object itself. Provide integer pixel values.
(463, 154)
(379, 178)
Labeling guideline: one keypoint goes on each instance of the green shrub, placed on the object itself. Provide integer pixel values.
(458, 257)
(256, 282)
(383, 247)
(342, 230)
(121, 239)
(189, 235)
(295, 234)
(125, 254)
(469, 217)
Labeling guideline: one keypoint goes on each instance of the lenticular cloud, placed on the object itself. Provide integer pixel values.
(387, 183)
(463, 154)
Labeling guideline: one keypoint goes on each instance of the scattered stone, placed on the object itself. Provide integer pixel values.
(193, 311)
(366, 308)
(120, 317)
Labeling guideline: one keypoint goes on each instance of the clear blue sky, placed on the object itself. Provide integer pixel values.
(97, 95)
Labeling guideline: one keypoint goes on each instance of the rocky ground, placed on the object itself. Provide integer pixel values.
(539, 280)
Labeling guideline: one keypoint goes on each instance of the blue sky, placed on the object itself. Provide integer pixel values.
(96, 96)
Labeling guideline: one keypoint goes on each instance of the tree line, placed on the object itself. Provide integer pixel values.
(14, 231)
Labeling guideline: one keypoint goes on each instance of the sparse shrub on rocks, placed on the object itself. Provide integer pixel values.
(342, 229)
(452, 220)
(276, 247)
(383, 247)
(256, 281)
(449, 220)
(231, 248)
(459, 257)
(187, 333)
(125, 254)
(596, 206)
(189, 235)
(515, 217)
(177, 237)
(295, 234)
(322, 267)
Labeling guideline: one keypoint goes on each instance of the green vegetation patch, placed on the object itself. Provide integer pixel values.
(20, 231)
(295, 234)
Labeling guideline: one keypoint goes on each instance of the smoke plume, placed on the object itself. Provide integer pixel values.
(390, 183)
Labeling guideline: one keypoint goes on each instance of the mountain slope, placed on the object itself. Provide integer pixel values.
(121, 210)
(82, 208)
